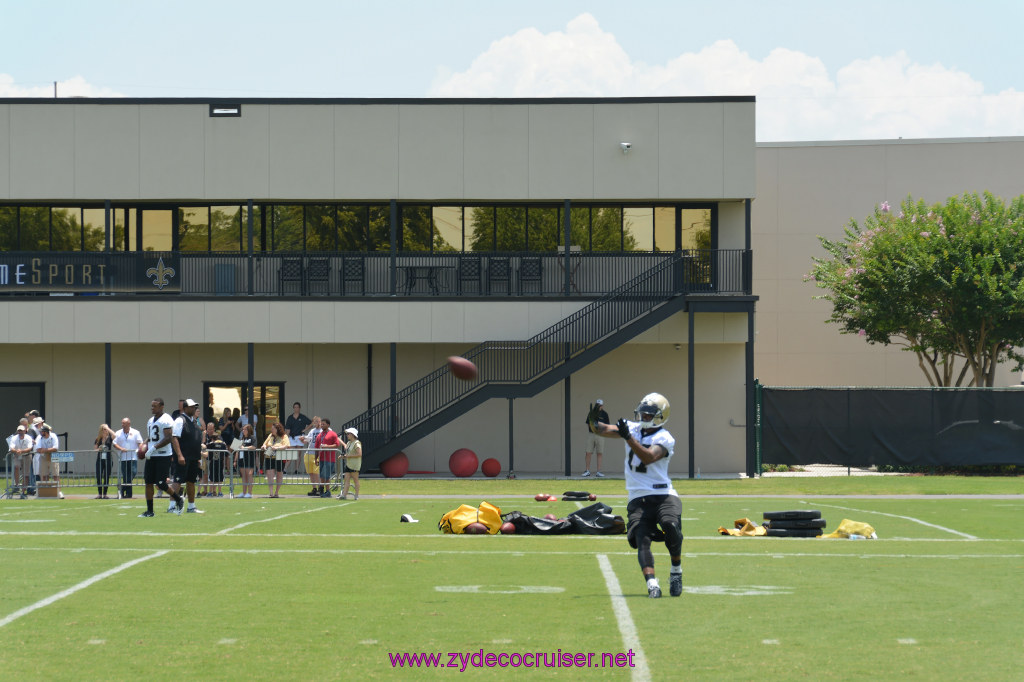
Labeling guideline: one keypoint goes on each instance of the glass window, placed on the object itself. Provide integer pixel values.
(157, 229)
(352, 228)
(695, 228)
(510, 228)
(448, 228)
(544, 228)
(123, 228)
(228, 230)
(417, 228)
(9, 228)
(286, 225)
(258, 224)
(321, 233)
(194, 229)
(664, 228)
(606, 231)
(379, 223)
(95, 228)
(65, 228)
(480, 227)
(638, 228)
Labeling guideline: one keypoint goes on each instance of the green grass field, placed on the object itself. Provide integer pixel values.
(300, 588)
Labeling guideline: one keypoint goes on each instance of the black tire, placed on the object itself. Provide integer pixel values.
(793, 532)
(792, 514)
(797, 523)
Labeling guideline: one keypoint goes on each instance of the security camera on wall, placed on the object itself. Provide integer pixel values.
(626, 146)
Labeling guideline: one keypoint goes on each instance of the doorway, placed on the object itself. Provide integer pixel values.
(268, 397)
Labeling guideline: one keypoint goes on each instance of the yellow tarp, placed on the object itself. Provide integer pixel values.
(744, 528)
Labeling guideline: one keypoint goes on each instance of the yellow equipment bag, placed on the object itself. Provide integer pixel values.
(457, 519)
(848, 528)
(743, 527)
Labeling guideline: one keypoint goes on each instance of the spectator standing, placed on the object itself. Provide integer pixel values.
(245, 459)
(102, 446)
(45, 446)
(312, 457)
(216, 451)
(327, 444)
(273, 466)
(594, 442)
(297, 424)
(21, 450)
(353, 462)
(127, 441)
(187, 440)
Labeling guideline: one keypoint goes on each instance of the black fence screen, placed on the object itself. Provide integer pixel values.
(899, 427)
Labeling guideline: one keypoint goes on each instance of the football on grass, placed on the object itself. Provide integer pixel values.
(462, 368)
(141, 452)
(476, 528)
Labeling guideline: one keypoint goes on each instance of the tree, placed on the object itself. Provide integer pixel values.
(945, 281)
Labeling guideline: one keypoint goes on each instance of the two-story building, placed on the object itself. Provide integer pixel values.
(336, 252)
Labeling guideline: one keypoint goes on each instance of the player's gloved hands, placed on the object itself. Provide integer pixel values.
(623, 429)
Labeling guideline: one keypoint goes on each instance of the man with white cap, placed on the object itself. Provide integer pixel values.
(45, 446)
(353, 459)
(21, 451)
(594, 443)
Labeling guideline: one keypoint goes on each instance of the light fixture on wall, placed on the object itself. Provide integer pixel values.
(679, 346)
(625, 146)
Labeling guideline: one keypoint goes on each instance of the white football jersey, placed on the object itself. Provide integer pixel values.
(649, 479)
(155, 433)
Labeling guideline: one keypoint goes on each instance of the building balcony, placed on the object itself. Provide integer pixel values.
(564, 274)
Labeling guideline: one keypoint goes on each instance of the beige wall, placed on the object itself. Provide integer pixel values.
(811, 189)
(430, 151)
(330, 379)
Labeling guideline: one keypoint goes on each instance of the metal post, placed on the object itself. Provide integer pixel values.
(511, 440)
(251, 267)
(106, 382)
(689, 385)
(394, 249)
(568, 425)
(565, 254)
(393, 416)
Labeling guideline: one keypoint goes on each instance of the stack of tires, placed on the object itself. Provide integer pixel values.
(797, 523)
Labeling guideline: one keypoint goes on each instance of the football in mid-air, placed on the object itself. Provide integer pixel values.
(462, 368)
(476, 528)
(141, 452)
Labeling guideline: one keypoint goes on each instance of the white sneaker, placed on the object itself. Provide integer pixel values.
(60, 495)
(173, 507)
(585, 473)
(193, 510)
(599, 474)
(176, 510)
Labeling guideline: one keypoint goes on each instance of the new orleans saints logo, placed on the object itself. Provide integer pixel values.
(161, 275)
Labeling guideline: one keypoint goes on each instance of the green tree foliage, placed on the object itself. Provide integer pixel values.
(945, 281)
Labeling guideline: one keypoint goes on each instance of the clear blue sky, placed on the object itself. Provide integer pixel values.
(820, 70)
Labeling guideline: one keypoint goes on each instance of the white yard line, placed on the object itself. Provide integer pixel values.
(278, 518)
(968, 536)
(756, 555)
(80, 586)
(630, 639)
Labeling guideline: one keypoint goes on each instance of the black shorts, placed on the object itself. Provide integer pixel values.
(247, 459)
(654, 510)
(157, 470)
(273, 464)
(190, 472)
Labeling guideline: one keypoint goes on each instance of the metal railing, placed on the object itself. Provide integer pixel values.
(518, 363)
(82, 473)
(575, 274)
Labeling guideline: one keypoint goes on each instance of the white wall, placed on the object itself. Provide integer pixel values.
(429, 150)
(811, 189)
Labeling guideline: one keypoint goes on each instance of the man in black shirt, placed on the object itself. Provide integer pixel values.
(187, 441)
(296, 425)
